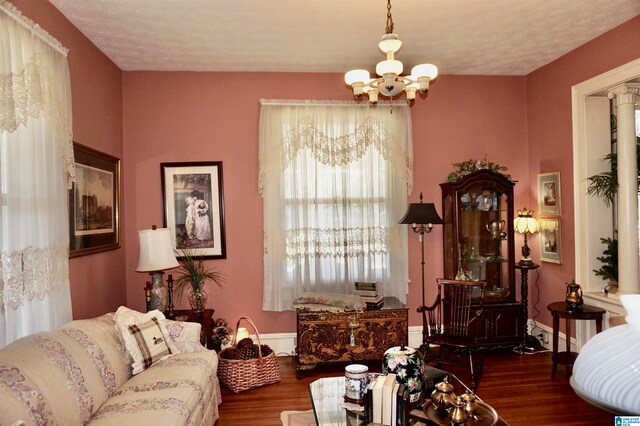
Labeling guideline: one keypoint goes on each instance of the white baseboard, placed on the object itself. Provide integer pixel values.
(541, 328)
(284, 344)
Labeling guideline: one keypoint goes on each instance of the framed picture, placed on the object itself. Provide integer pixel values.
(94, 203)
(550, 240)
(549, 193)
(194, 207)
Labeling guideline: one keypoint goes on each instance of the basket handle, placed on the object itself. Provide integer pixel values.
(235, 335)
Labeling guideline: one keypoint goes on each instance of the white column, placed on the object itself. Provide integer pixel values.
(625, 96)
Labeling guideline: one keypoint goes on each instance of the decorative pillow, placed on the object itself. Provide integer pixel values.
(185, 335)
(346, 301)
(145, 337)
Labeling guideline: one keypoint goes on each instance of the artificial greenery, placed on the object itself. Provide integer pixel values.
(609, 260)
(466, 167)
(605, 185)
(194, 273)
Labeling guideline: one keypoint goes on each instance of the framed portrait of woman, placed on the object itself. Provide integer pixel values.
(193, 200)
(550, 240)
(549, 193)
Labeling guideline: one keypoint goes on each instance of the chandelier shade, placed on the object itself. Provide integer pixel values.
(390, 83)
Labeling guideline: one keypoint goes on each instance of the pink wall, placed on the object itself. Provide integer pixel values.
(214, 117)
(521, 122)
(550, 137)
(97, 281)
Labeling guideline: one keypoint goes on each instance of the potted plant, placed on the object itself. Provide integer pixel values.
(609, 260)
(194, 274)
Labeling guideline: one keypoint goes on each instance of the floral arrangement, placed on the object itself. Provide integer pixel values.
(466, 167)
(221, 332)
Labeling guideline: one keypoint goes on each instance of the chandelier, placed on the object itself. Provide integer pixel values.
(390, 83)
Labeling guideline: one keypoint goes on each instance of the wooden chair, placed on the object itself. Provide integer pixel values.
(450, 326)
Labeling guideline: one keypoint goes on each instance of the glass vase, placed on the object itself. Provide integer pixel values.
(198, 301)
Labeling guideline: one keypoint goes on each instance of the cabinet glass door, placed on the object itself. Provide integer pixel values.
(483, 253)
(478, 232)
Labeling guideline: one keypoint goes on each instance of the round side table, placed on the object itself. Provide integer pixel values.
(561, 310)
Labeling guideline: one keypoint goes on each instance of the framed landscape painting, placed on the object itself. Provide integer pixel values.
(94, 203)
(194, 208)
(550, 240)
(549, 194)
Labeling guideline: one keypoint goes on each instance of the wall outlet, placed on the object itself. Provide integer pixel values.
(544, 337)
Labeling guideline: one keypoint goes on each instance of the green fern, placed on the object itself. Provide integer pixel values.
(195, 273)
(609, 260)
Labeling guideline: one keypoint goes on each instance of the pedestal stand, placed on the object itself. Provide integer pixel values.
(524, 294)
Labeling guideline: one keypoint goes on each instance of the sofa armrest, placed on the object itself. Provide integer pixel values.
(185, 335)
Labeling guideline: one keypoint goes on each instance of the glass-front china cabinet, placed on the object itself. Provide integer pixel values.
(478, 245)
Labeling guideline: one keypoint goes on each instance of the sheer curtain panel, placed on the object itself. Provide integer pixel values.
(36, 168)
(334, 177)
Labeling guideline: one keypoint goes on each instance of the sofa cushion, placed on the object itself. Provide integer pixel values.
(139, 339)
(63, 376)
(176, 390)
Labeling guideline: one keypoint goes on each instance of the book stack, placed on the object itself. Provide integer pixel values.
(369, 294)
(386, 401)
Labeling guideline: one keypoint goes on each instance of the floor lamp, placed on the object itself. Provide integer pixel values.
(422, 217)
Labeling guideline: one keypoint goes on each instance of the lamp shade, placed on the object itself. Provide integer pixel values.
(156, 250)
(421, 213)
(525, 223)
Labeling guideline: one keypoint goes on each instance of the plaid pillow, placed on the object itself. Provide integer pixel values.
(151, 342)
(143, 339)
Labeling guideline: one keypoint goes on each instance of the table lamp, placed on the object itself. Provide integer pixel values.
(525, 224)
(156, 255)
(422, 217)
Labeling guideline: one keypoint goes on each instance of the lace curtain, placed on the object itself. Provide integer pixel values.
(334, 177)
(36, 168)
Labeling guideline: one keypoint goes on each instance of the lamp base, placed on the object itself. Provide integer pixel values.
(159, 293)
(525, 262)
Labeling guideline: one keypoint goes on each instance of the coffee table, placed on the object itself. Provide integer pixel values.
(327, 395)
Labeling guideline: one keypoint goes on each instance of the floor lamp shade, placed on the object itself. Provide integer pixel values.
(421, 213)
(156, 255)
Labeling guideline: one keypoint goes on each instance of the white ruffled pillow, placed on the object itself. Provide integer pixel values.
(145, 337)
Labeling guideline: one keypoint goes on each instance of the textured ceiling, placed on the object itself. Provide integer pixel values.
(488, 37)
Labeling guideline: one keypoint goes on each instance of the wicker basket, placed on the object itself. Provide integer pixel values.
(240, 375)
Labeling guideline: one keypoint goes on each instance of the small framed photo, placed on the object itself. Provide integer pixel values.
(549, 193)
(550, 240)
(194, 207)
(94, 203)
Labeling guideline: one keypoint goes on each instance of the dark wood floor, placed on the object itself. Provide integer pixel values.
(519, 387)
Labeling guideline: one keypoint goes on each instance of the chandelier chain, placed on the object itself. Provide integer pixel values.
(389, 28)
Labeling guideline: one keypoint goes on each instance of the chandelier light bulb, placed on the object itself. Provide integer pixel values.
(357, 76)
(389, 67)
(424, 70)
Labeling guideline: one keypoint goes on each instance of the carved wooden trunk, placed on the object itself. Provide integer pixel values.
(350, 336)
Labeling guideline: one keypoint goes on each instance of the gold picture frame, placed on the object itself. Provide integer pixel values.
(550, 240)
(549, 194)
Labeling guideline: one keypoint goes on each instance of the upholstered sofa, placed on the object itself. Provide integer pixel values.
(82, 374)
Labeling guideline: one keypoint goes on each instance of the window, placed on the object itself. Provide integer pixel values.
(334, 178)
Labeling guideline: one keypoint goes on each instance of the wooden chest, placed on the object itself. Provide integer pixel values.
(349, 336)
